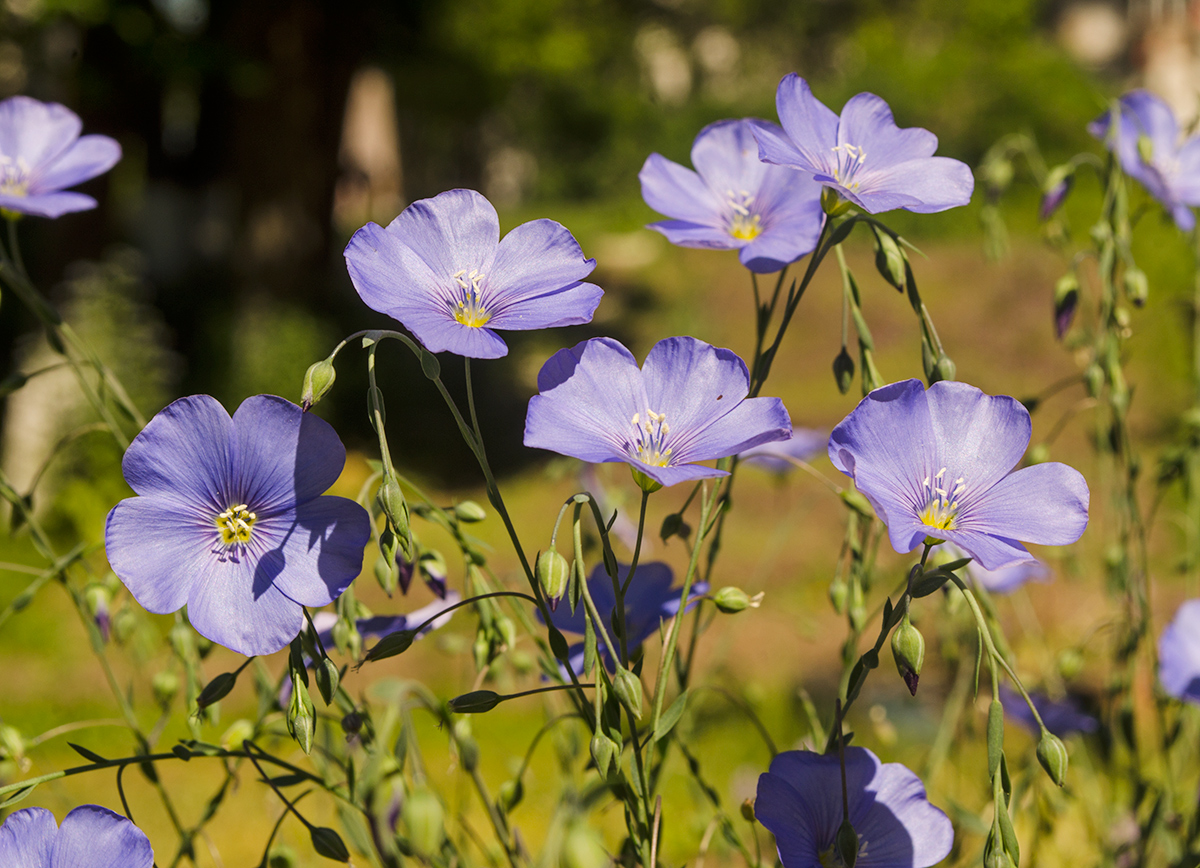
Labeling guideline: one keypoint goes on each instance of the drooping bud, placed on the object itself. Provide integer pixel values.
(1137, 287)
(394, 506)
(329, 844)
(748, 810)
(644, 482)
(890, 260)
(846, 844)
(510, 794)
(475, 702)
(391, 645)
(98, 599)
(425, 819)
(469, 512)
(328, 677)
(843, 371)
(628, 688)
(944, 369)
(318, 380)
(1055, 189)
(838, 592)
(908, 647)
(300, 719)
(553, 572)
(1052, 754)
(730, 600)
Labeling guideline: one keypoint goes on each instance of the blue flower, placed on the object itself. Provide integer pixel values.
(687, 404)
(442, 271)
(649, 601)
(90, 837)
(770, 214)
(800, 801)
(1179, 654)
(936, 464)
(229, 519)
(42, 153)
(1147, 143)
(781, 456)
(862, 155)
(1061, 716)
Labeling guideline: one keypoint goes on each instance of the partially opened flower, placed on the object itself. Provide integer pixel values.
(862, 155)
(770, 214)
(1179, 654)
(688, 403)
(781, 456)
(42, 153)
(1061, 716)
(800, 801)
(441, 269)
(1147, 142)
(90, 837)
(649, 601)
(935, 464)
(231, 522)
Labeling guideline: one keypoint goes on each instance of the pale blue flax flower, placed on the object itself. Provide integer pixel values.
(42, 153)
(442, 271)
(733, 201)
(229, 520)
(686, 404)
(90, 837)
(1179, 654)
(862, 155)
(935, 465)
(1148, 144)
(800, 802)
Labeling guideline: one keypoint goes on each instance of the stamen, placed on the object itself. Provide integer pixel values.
(14, 176)
(850, 159)
(649, 443)
(235, 524)
(743, 224)
(941, 506)
(470, 310)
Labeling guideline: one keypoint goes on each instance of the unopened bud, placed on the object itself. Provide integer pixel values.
(832, 202)
(644, 482)
(730, 600)
(329, 844)
(318, 380)
(838, 591)
(553, 572)
(391, 645)
(475, 702)
(843, 371)
(1055, 189)
(944, 369)
(1070, 664)
(604, 751)
(997, 858)
(1093, 378)
(469, 512)
(846, 844)
(511, 793)
(998, 174)
(327, 676)
(1137, 287)
(908, 647)
(890, 260)
(628, 688)
(300, 718)
(216, 690)
(98, 599)
(425, 819)
(394, 506)
(748, 810)
(1052, 754)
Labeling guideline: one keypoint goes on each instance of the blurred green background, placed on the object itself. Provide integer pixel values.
(258, 136)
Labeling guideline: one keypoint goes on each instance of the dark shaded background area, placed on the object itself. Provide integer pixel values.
(221, 219)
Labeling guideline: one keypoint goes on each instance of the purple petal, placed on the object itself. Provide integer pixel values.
(676, 473)
(800, 836)
(1061, 716)
(440, 332)
(88, 157)
(678, 192)
(725, 155)
(158, 545)
(184, 453)
(95, 837)
(1152, 117)
(1179, 654)
(923, 186)
(698, 235)
(453, 231)
(539, 262)
(321, 552)
(902, 828)
(1187, 182)
(283, 455)
(36, 132)
(1008, 579)
(27, 836)
(867, 123)
(790, 203)
(1184, 218)
(693, 383)
(779, 456)
(979, 437)
(48, 204)
(236, 604)
(810, 125)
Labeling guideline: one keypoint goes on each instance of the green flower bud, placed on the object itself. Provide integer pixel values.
(511, 793)
(1137, 287)
(391, 645)
(843, 371)
(890, 260)
(300, 719)
(604, 752)
(1070, 664)
(857, 501)
(628, 688)
(997, 858)
(944, 369)
(1038, 454)
(644, 482)
(838, 591)
(469, 512)
(165, 686)
(832, 202)
(908, 647)
(318, 380)
(846, 844)
(216, 690)
(282, 856)
(424, 818)
(475, 702)
(328, 843)
(730, 599)
(394, 506)
(468, 748)
(553, 572)
(1052, 754)
(327, 676)
(1093, 378)
(997, 174)
(748, 810)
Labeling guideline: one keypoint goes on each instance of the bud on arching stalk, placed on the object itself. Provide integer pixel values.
(628, 688)
(318, 380)
(1137, 287)
(730, 600)
(394, 506)
(553, 571)
(1052, 754)
(604, 751)
(890, 260)
(843, 371)
(469, 512)
(908, 647)
(475, 702)
(1055, 189)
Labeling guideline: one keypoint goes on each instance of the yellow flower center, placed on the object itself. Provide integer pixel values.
(14, 176)
(650, 445)
(743, 225)
(470, 310)
(850, 159)
(941, 501)
(235, 524)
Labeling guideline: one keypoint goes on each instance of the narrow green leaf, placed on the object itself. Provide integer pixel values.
(670, 717)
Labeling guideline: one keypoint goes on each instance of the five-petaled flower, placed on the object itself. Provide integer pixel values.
(89, 836)
(935, 464)
(862, 155)
(42, 153)
(230, 519)
(687, 404)
(1147, 142)
(442, 271)
(800, 801)
(1179, 654)
(770, 214)
(649, 602)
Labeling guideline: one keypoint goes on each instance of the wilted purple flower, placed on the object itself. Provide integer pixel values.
(90, 837)
(649, 601)
(42, 153)
(441, 269)
(688, 403)
(780, 456)
(935, 464)
(771, 214)
(1061, 716)
(229, 519)
(862, 155)
(1147, 142)
(1179, 654)
(800, 802)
